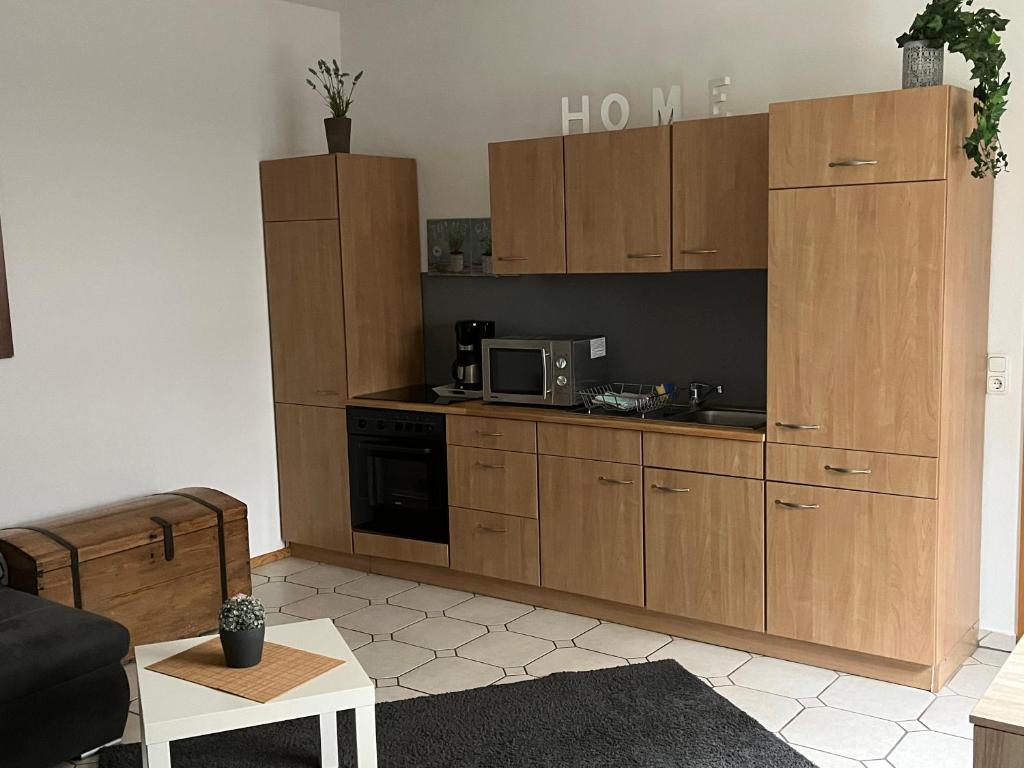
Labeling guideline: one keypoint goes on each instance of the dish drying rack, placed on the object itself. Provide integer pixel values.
(626, 398)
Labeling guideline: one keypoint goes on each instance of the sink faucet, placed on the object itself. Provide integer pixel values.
(700, 392)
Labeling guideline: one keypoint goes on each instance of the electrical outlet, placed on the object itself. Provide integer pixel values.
(998, 379)
(997, 384)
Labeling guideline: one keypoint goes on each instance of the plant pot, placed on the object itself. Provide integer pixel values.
(339, 134)
(456, 261)
(243, 649)
(487, 264)
(922, 65)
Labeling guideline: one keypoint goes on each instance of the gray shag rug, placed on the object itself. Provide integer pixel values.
(654, 715)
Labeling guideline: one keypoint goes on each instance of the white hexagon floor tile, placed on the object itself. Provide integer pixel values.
(702, 659)
(354, 639)
(925, 749)
(786, 678)
(622, 641)
(771, 711)
(998, 641)
(825, 760)
(552, 625)
(276, 619)
(255, 579)
(390, 659)
(514, 679)
(379, 619)
(572, 660)
(375, 587)
(950, 714)
(329, 605)
(848, 734)
(450, 674)
(991, 656)
(973, 681)
(285, 567)
(506, 649)
(325, 576)
(875, 698)
(396, 693)
(428, 598)
(132, 733)
(274, 594)
(488, 610)
(440, 634)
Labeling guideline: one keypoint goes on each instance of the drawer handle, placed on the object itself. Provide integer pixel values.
(490, 434)
(787, 425)
(513, 258)
(794, 505)
(614, 481)
(643, 255)
(331, 392)
(490, 466)
(670, 489)
(852, 163)
(847, 470)
(699, 251)
(487, 528)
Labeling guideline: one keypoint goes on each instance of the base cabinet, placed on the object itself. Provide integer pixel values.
(704, 539)
(853, 570)
(592, 528)
(501, 546)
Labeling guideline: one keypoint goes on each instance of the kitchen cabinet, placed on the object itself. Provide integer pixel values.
(591, 528)
(598, 443)
(500, 546)
(300, 188)
(498, 434)
(855, 283)
(704, 547)
(854, 470)
(720, 193)
(617, 201)
(527, 182)
(704, 454)
(852, 570)
(492, 481)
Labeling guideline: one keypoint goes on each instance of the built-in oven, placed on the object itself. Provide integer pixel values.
(398, 473)
(543, 371)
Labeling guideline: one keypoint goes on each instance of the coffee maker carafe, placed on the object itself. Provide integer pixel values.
(467, 370)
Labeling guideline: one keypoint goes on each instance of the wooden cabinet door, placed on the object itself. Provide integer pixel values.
(592, 528)
(851, 569)
(720, 193)
(617, 200)
(307, 325)
(527, 206)
(312, 467)
(854, 317)
(500, 546)
(299, 188)
(704, 539)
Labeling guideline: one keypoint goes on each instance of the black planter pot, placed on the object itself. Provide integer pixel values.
(243, 649)
(339, 134)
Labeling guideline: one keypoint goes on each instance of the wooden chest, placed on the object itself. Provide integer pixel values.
(161, 565)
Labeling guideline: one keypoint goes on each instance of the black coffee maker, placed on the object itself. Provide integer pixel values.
(467, 370)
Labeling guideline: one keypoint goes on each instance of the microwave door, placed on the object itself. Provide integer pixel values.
(519, 374)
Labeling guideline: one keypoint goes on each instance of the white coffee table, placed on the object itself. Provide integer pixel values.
(173, 709)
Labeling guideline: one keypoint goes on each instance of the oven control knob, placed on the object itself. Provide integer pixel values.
(361, 423)
(561, 381)
(561, 362)
(380, 424)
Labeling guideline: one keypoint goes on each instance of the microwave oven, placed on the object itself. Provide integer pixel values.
(543, 371)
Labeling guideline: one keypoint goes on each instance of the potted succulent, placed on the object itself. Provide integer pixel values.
(975, 35)
(456, 240)
(242, 627)
(486, 258)
(331, 81)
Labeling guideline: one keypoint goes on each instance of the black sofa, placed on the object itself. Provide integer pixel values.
(63, 691)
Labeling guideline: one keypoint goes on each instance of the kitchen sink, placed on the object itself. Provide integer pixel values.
(722, 417)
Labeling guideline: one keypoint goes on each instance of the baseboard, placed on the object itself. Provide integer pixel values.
(270, 557)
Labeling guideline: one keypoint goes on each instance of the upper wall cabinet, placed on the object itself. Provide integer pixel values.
(720, 193)
(528, 206)
(863, 139)
(300, 188)
(617, 200)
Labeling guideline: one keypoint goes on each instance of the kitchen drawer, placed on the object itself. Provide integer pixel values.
(704, 454)
(598, 443)
(493, 481)
(501, 434)
(500, 546)
(854, 470)
(864, 139)
(395, 548)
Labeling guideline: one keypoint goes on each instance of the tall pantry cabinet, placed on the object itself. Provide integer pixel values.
(878, 282)
(341, 235)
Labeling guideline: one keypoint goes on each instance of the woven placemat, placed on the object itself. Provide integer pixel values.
(281, 669)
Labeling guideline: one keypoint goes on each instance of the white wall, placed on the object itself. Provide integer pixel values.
(130, 136)
(445, 77)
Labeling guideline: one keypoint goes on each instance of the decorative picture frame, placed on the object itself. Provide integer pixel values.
(6, 337)
(459, 247)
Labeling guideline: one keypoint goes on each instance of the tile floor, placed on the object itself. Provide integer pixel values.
(417, 639)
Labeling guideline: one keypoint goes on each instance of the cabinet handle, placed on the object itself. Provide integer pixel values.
(786, 425)
(794, 505)
(490, 434)
(847, 470)
(670, 489)
(327, 391)
(487, 528)
(699, 251)
(613, 481)
(490, 466)
(852, 163)
(643, 255)
(513, 258)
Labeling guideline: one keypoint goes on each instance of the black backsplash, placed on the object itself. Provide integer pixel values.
(676, 327)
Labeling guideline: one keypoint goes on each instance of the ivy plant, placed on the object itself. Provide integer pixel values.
(975, 35)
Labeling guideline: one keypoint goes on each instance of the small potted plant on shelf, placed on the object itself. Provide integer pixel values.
(975, 35)
(331, 81)
(486, 258)
(456, 240)
(242, 628)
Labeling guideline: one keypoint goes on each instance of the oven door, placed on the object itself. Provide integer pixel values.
(517, 371)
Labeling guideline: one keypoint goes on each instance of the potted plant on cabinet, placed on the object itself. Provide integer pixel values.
(242, 628)
(975, 35)
(332, 82)
(486, 258)
(456, 240)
